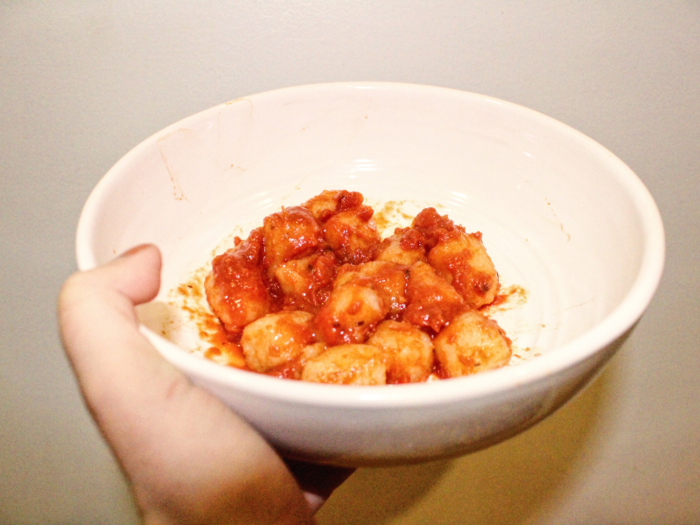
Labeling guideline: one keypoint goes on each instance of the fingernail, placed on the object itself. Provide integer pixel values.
(135, 250)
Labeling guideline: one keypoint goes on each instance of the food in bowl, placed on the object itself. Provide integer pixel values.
(527, 181)
(316, 294)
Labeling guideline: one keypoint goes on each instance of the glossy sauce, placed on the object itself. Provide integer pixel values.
(327, 258)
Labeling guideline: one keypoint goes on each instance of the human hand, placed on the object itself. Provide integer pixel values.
(189, 458)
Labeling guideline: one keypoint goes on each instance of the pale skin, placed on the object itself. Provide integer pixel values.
(188, 458)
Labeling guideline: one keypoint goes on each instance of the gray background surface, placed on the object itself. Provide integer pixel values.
(82, 82)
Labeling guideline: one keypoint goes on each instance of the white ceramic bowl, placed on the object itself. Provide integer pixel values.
(561, 216)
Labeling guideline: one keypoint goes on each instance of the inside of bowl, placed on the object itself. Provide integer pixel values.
(556, 210)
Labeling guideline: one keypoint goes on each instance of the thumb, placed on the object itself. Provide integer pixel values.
(98, 324)
(96, 314)
(136, 273)
(186, 454)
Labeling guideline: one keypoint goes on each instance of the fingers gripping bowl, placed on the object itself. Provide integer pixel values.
(565, 222)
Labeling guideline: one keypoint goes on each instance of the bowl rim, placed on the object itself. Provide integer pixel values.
(621, 319)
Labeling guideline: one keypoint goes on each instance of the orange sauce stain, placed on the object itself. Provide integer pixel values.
(508, 297)
(190, 298)
(390, 213)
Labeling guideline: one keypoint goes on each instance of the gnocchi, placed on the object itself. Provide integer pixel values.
(316, 294)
